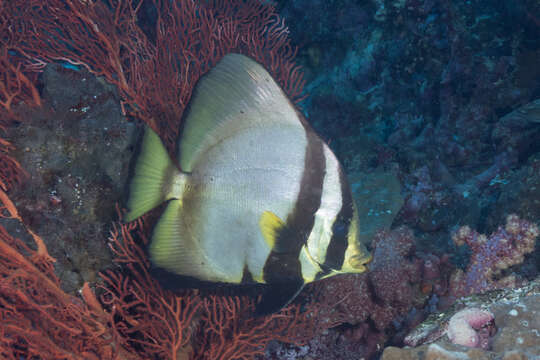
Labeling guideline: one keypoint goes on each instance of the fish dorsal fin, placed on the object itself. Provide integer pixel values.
(236, 94)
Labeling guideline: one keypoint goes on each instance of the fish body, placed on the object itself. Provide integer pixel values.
(256, 195)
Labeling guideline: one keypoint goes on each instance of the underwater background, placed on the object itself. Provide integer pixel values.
(433, 108)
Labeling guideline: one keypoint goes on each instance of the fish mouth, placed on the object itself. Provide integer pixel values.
(367, 259)
(360, 262)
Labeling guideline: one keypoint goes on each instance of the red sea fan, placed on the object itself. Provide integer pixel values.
(154, 72)
(148, 319)
(162, 324)
(38, 320)
(135, 319)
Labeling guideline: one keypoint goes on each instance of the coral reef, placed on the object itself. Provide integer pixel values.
(403, 287)
(135, 319)
(514, 312)
(471, 327)
(76, 150)
(159, 323)
(443, 96)
(153, 71)
(492, 255)
(431, 105)
(37, 318)
(153, 68)
(428, 88)
(365, 311)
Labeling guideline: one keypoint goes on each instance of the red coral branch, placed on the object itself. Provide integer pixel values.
(37, 318)
(159, 323)
(230, 331)
(155, 75)
(155, 71)
(149, 319)
(16, 82)
(11, 172)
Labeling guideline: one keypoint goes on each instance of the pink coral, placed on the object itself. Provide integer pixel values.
(490, 255)
(471, 327)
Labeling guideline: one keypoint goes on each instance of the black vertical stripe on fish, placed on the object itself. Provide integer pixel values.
(335, 252)
(309, 198)
(284, 266)
(247, 277)
(278, 296)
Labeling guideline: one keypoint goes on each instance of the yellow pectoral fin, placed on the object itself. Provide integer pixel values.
(270, 225)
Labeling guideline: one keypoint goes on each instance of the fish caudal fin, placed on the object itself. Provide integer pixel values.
(154, 178)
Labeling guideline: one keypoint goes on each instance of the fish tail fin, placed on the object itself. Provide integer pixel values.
(155, 179)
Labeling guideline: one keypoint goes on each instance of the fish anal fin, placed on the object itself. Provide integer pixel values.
(173, 248)
(166, 245)
(277, 296)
